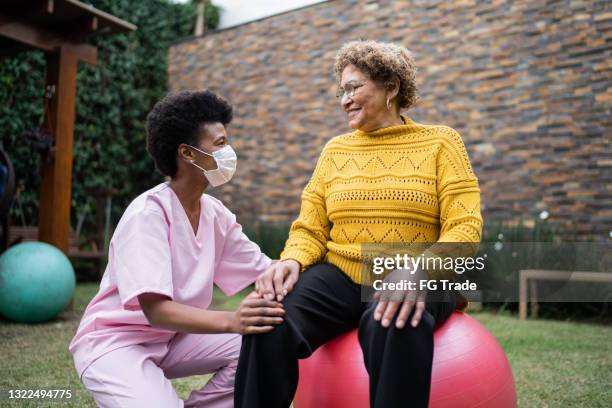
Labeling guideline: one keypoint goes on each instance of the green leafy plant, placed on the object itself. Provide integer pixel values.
(113, 99)
(271, 238)
(212, 14)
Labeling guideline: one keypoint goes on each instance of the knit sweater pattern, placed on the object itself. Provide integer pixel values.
(410, 183)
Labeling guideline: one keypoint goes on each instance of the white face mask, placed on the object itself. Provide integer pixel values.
(226, 165)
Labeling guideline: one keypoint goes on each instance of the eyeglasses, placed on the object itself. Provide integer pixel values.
(349, 89)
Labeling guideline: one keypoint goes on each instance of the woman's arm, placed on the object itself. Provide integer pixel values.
(459, 204)
(458, 193)
(307, 242)
(254, 315)
(309, 233)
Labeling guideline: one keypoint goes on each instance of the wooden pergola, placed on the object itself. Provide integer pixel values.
(62, 29)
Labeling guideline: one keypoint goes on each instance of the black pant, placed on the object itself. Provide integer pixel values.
(324, 304)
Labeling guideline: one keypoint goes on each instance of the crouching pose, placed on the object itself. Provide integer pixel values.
(149, 321)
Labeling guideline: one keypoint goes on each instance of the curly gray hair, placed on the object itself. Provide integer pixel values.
(383, 63)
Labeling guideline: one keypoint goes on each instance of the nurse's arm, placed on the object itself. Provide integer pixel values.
(254, 315)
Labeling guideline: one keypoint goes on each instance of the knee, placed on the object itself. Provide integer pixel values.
(226, 357)
(285, 339)
(370, 329)
(267, 341)
(228, 353)
(228, 374)
(225, 376)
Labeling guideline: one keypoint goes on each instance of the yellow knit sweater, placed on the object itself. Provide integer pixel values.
(400, 184)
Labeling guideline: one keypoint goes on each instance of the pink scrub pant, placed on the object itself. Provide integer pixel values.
(138, 376)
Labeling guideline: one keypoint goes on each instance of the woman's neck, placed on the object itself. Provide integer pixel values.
(388, 121)
(188, 192)
(393, 121)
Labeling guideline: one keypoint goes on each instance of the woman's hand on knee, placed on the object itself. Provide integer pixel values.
(278, 280)
(257, 315)
(407, 306)
(401, 302)
(387, 309)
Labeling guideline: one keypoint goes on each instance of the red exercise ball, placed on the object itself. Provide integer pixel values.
(470, 369)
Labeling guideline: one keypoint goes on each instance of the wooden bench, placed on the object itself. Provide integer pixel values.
(528, 288)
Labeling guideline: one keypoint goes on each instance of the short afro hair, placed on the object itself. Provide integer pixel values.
(176, 119)
(382, 62)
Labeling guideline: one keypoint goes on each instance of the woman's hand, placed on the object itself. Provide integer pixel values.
(390, 301)
(278, 280)
(256, 315)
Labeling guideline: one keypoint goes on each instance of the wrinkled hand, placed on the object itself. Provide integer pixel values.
(278, 280)
(390, 301)
(256, 315)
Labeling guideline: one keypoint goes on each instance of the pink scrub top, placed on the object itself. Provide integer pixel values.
(154, 250)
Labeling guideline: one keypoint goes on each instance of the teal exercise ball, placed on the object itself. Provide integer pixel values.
(36, 282)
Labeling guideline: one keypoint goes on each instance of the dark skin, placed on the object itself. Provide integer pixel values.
(255, 314)
(189, 182)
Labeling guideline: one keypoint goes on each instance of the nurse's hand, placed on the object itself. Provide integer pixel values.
(278, 280)
(256, 315)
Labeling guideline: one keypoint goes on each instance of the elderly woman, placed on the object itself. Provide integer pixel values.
(150, 320)
(390, 180)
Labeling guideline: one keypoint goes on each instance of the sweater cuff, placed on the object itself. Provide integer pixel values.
(302, 257)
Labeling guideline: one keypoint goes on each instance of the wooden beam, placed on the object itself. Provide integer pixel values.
(41, 7)
(84, 27)
(24, 33)
(106, 19)
(56, 186)
(43, 39)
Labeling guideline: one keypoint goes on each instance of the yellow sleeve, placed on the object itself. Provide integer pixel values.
(309, 233)
(459, 204)
(458, 193)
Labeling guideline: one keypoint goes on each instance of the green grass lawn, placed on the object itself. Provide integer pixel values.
(555, 364)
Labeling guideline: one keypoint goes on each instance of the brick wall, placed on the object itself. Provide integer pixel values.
(527, 84)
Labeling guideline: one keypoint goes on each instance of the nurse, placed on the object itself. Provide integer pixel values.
(149, 321)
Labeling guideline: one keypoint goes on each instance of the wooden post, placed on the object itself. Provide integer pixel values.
(56, 186)
(533, 298)
(523, 295)
(200, 26)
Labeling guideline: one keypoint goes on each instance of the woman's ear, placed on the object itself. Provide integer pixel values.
(185, 153)
(393, 88)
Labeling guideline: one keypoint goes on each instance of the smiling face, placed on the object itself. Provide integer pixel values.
(367, 109)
